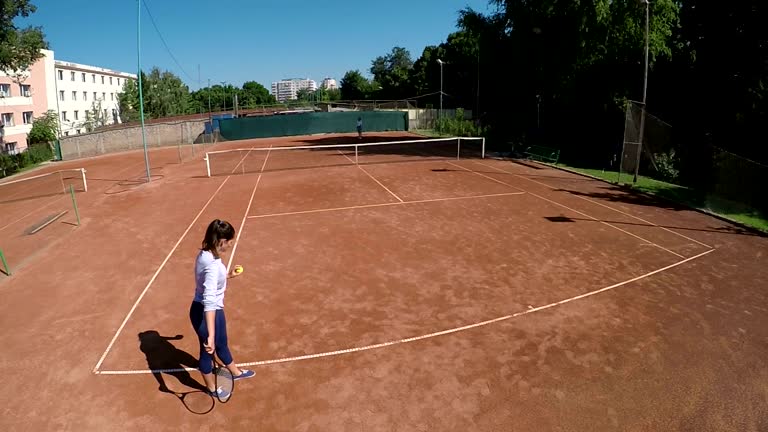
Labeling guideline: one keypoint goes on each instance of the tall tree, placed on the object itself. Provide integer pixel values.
(19, 47)
(391, 72)
(355, 86)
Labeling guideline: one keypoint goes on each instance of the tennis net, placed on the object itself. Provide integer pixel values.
(43, 185)
(266, 159)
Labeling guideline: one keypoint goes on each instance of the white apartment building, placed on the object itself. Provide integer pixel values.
(329, 84)
(86, 96)
(286, 89)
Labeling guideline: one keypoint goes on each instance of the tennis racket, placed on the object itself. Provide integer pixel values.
(224, 381)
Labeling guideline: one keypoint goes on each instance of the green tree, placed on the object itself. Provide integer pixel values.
(94, 118)
(254, 94)
(355, 86)
(44, 128)
(391, 72)
(128, 101)
(19, 48)
(165, 94)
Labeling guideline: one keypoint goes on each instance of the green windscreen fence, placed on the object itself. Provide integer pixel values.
(312, 123)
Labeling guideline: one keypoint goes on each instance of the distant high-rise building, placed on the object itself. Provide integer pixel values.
(329, 84)
(286, 89)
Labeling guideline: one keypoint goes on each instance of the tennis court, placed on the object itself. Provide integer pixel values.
(396, 286)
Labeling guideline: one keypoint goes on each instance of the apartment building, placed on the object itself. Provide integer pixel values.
(329, 84)
(23, 96)
(87, 96)
(286, 89)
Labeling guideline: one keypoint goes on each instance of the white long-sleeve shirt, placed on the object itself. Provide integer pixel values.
(210, 281)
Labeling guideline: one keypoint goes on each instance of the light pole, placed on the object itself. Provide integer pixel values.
(224, 89)
(441, 86)
(645, 92)
(141, 93)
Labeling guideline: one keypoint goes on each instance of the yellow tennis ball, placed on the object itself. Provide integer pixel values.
(238, 269)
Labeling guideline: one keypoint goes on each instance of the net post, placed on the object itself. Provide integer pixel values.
(356, 161)
(74, 203)
(85, 182)
(482, 151)
(458, 150)
(208, 163)
(5, 263)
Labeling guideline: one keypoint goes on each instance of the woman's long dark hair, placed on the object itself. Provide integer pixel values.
(217, 230)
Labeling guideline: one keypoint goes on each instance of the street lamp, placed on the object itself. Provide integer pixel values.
(441, 86)
(645, 92)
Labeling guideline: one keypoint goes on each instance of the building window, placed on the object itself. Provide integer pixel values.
(64, 116)
(110, 80)
(7, 119)
(112, 96)
(83, 76)
(5, 90)
(114, 115)
(85, 96)
(103, 96)
(27, 117)
(66, 133)
(10, 148)
(61, 75)
(77, 117)
(95, 96)
(118, 81)
(93, 78)
(74, 95)
(61, 95)
(72, 75)
(77, 131)
(102, 79)
(26, 90)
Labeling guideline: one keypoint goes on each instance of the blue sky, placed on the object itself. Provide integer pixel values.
(241, 40)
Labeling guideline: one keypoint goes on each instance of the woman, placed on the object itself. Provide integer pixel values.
(207, 310)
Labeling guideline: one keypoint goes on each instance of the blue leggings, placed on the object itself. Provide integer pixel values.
(197, 316)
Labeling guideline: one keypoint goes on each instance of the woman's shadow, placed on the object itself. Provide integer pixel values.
(164, 358)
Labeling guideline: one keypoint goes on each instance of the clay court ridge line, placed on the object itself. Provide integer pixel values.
(571, 209)
(152, 280)
(426, 336)
(383, 205)
(372, 177)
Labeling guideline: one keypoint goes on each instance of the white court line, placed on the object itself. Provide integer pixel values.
(242, 224)
(616, 210)
(247, 210)
(152, 280)
(383, 205)
(575, 211)
(372, 177)
(422, 337)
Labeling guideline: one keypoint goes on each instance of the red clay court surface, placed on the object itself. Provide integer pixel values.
(469, 295)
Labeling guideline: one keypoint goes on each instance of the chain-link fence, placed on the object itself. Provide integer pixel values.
(712, 177)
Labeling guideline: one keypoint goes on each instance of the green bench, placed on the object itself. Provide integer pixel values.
(542, 154)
